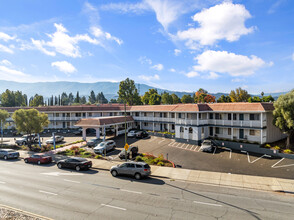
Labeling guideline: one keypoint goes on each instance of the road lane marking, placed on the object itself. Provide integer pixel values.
(114, 207)
(125, 190)
(62, 174)
(204, 203)
(50, 193)
(72, 181)
(161, 141)
(2, 182)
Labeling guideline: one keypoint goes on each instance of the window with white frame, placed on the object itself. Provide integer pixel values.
(181, 129)
(190, 130)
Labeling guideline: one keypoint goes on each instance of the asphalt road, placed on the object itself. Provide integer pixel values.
(95, 194)
(222, 160)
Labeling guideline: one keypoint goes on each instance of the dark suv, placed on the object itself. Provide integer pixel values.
(142, 134)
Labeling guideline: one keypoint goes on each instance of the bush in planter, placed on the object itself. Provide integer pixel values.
(267, 146)
(287, 151)
(276, 148)
(139, 159)
(160, 164)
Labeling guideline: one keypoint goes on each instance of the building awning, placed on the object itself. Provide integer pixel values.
(103, 121)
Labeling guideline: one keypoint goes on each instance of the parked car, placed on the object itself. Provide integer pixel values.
(135, 169)
(93, 142)
(8, 154)
(57, 139)
(76, 163)
(25, 139)
(104, 146)
(78, 132)
(38, 158)
(132, 133)
(132, 151)
(207, 146)
(142, 134)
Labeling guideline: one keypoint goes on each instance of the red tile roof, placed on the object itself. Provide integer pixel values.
(93, 122)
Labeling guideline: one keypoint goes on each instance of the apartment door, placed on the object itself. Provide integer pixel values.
(241, 133)
(211, 131)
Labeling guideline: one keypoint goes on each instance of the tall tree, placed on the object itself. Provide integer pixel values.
(187, 99)
(154, 99)
(51, 101)
(128, 92)
(113, 101)
(30, 121)
(38, 100)
(254, 99)
(101, 98)
(70, 98)
(7, 98)
(175, 98)
(19, 99)
(268, 98)
(3, 116)
(83, 100)
(166, 98)
(224, 98)
(92, 97)
(284, 116)
(77, 99)
(55, 100)
(147, 95)
(262, 94)
(64, 99)
(239, 95)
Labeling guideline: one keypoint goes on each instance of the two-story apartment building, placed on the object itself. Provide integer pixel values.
(190, 122)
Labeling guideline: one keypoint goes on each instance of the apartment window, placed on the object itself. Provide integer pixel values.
(63, 114)
(145, 124)
(218, 116)
(199, 115)
(137, 114)
(235, 117)
(180, 115)
(229, 131)
(190, 130)
(57, 114)
(252, 132)
(202, 130)
(84, 114)
(241, 117)
(210, 115)
(254, 117)
(181, 129)
(68, 124)
(229, 116)
(110, 114)
(67, 114)
(173, 115)
(173, 127)
(78, 114)
(160, 115)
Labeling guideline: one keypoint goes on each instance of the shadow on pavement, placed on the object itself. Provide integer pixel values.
(148, 180)
(42, 165)
(251, 213)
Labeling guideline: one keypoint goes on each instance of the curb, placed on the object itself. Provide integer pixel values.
(30, 214)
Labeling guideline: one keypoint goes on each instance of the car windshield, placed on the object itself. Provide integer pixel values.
(101, 144)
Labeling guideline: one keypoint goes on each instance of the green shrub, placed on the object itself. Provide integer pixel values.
(139, 159)
(287, 151)
(160, 164)
(98, 157)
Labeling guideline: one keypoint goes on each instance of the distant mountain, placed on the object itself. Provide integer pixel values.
(109, 89)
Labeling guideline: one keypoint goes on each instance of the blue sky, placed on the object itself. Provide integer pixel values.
(171, 44)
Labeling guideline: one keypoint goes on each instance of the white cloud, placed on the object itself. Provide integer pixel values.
(6, 37)
(144, 59)
(221, 22)
(136, 8)
(61, 42)
(158, 67)
(149, 78)
(192, 74)
(172, 70)
(6, 49)
(6, 62)
(293, 56)
(230, 63)
(237, 80)
(211, 75)
(275, 6)
(7, 72)
(177, 52)
(64, 66)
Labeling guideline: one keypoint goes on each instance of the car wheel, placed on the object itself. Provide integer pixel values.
(5, 157)
(137, 176)
(114, 173)
(59, 165)
(26, 161)
(78, 168)
(39, 162)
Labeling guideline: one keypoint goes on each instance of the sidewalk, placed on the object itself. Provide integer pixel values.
(213, 178)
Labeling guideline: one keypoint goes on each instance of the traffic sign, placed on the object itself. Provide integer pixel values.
(126, 147)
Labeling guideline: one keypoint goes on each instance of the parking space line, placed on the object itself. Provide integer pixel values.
(152, 139)
(287, 165)
(256, 158)
(278, 162)
(124, 190)
(2, 182)
(72, 181)
(191, 147)
(171, 143)
(161, 141)
(204, 203)
(195, 149)
(187, 146)
(183, 146)
(50, 193)
(199, 149)
(214, 150)
(230, 151)
(178, 145)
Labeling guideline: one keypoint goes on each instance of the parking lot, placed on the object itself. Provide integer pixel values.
(220, 160)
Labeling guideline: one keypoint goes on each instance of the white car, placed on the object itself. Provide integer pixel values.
(132, 133)
(207, 146)
(104, 146)
(57, 139)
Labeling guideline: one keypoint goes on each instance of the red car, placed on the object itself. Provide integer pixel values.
(38, 158)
